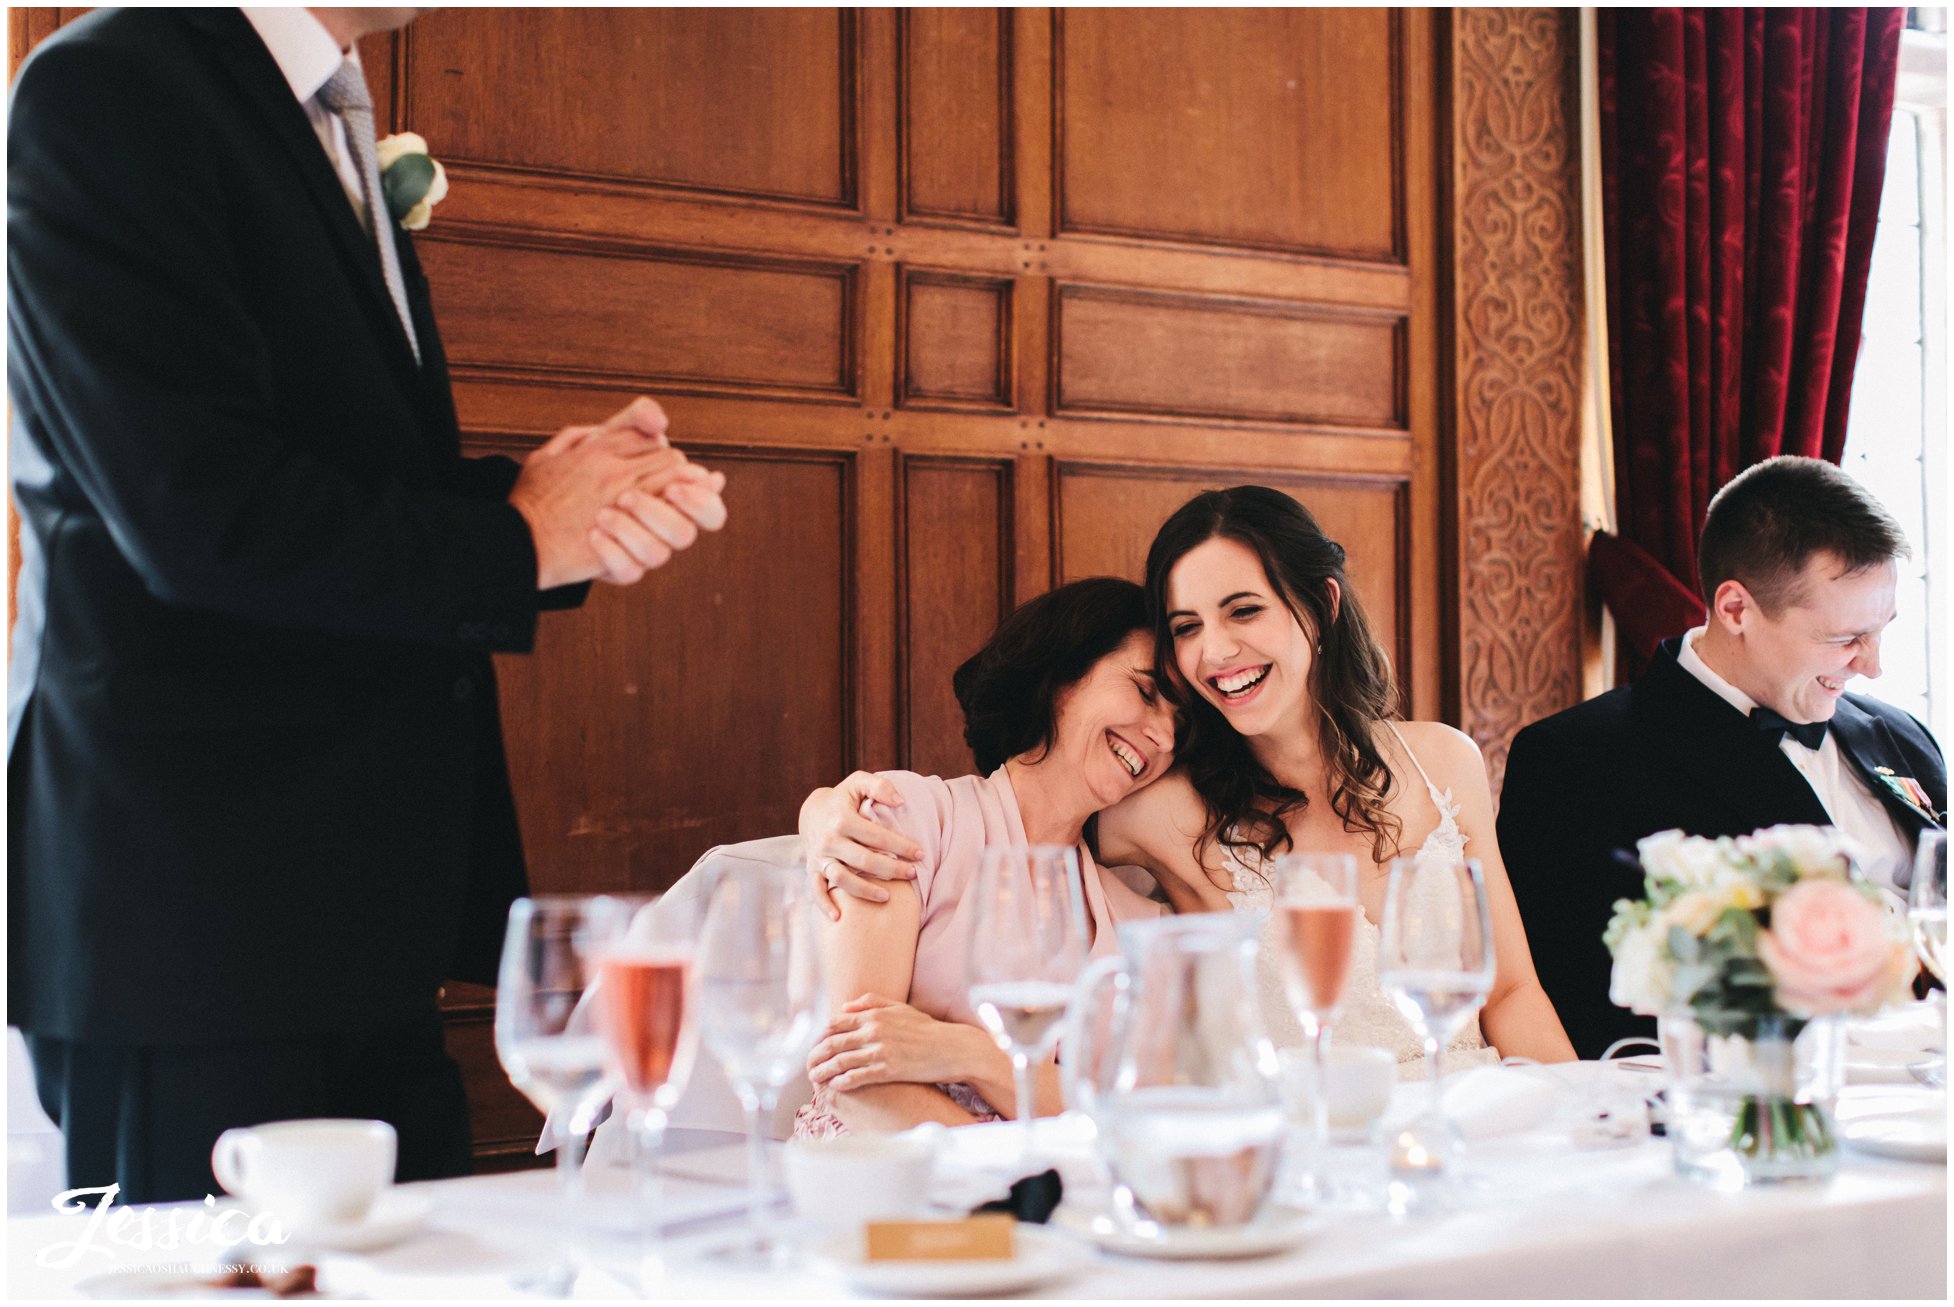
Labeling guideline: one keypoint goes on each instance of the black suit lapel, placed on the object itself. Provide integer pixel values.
(256, 74)
(437, 398)
(1871, 750)
(1714, 746)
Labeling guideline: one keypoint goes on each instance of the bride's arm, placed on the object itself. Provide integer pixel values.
(1519, 1020)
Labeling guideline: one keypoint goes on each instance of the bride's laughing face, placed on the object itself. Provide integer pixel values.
(1236, 642)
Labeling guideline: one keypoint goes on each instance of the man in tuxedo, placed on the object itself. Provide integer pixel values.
(1742, 723)
(259, 809)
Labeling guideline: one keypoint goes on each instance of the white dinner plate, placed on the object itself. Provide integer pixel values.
(1904, 1121)
(1042, 1257)
(1277, 1230)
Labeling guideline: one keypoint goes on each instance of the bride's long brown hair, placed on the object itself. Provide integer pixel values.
(1350, 677)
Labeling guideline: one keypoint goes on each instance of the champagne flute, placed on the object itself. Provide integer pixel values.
(1927, 915)
(1316, 931)
(544, 1039)
(1027, 947)
(761, 1007)
(646, 1010)
(1436, 962)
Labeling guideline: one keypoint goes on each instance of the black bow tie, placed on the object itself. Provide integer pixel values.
(1809, 734)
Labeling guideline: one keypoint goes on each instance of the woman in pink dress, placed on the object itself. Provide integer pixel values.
(1063, 717)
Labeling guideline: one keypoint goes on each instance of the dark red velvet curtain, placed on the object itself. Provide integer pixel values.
(1743, 151)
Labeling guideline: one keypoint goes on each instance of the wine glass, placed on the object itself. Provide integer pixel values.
(645, 1008)
(549, 1048)
(1027, 947)
(1927, 915)
(761, 1007)
(1315, 907)
(1437, 963)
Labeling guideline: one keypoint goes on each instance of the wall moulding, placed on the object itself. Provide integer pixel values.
(1257, 361)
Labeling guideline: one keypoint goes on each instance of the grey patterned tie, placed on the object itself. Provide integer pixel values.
(346, 95)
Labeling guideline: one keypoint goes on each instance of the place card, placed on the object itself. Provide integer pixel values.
(973, 1239)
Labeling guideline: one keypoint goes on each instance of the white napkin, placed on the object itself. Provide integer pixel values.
(1913, 1027)
(1880, 1048)
(1487, 1102)
(978, 1163)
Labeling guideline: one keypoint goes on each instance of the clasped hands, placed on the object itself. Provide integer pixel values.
(877, 1041)
(612, 501)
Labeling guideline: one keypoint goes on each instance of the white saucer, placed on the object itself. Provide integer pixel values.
(395, 1214)
(1277, 1230)
(1041, 1258)
(1904, 1121)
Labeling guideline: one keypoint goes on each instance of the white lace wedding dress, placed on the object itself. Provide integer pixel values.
(1367, 1017)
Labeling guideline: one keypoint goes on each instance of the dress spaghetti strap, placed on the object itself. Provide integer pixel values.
(1438, 799)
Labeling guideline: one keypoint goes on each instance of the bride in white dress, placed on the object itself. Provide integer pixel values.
(1288, 742)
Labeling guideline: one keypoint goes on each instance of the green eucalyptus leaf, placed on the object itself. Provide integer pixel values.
(1683, 946)
(407, 183)
(1690, 979)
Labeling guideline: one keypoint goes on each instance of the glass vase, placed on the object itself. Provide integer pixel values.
(1753, 1104)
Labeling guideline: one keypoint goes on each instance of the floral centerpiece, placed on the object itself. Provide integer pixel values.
(1740, 946)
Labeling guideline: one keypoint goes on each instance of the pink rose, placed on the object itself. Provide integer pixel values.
(1831, 950)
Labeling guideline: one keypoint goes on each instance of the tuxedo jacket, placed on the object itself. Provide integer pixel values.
(255, 767)
(1668, 752)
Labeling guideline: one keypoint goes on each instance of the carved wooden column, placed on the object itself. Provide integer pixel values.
(1517, 341)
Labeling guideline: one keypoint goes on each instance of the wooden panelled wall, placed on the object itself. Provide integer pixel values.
(965, 302)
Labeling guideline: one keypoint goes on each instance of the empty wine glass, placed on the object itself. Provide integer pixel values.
(1027, 947)
(1436, 962)
(1316, 911)
(550, 1049)
(761, 1007)
(1927, 915)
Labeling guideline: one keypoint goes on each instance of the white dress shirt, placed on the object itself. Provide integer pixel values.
(1840, 788)
(308, 56)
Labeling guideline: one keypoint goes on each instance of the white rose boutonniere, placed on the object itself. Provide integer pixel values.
(412, 179)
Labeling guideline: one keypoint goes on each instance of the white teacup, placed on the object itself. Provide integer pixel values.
(844, 1182)
(1361, 1080)
(307, 1172)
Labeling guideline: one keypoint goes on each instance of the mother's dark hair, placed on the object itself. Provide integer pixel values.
(1009, 689)
(1350, 677)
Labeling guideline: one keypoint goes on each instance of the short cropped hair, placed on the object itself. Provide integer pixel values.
(1765, 526)
(1009, 689)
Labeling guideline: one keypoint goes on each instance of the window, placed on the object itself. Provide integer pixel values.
(1896, 438)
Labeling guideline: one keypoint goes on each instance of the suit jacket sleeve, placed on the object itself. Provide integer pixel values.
(141, 367)
(1560, 857)
(493, 477)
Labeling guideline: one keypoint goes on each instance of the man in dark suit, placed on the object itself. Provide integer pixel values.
(1742, 723)
(259, 809)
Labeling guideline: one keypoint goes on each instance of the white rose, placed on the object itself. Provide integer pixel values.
(1813, 850)
(396, 145)
(1695, 911)
(1689, 860)
(1644, 972)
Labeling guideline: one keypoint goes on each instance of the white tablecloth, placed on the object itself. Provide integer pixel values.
(1551, 1221)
